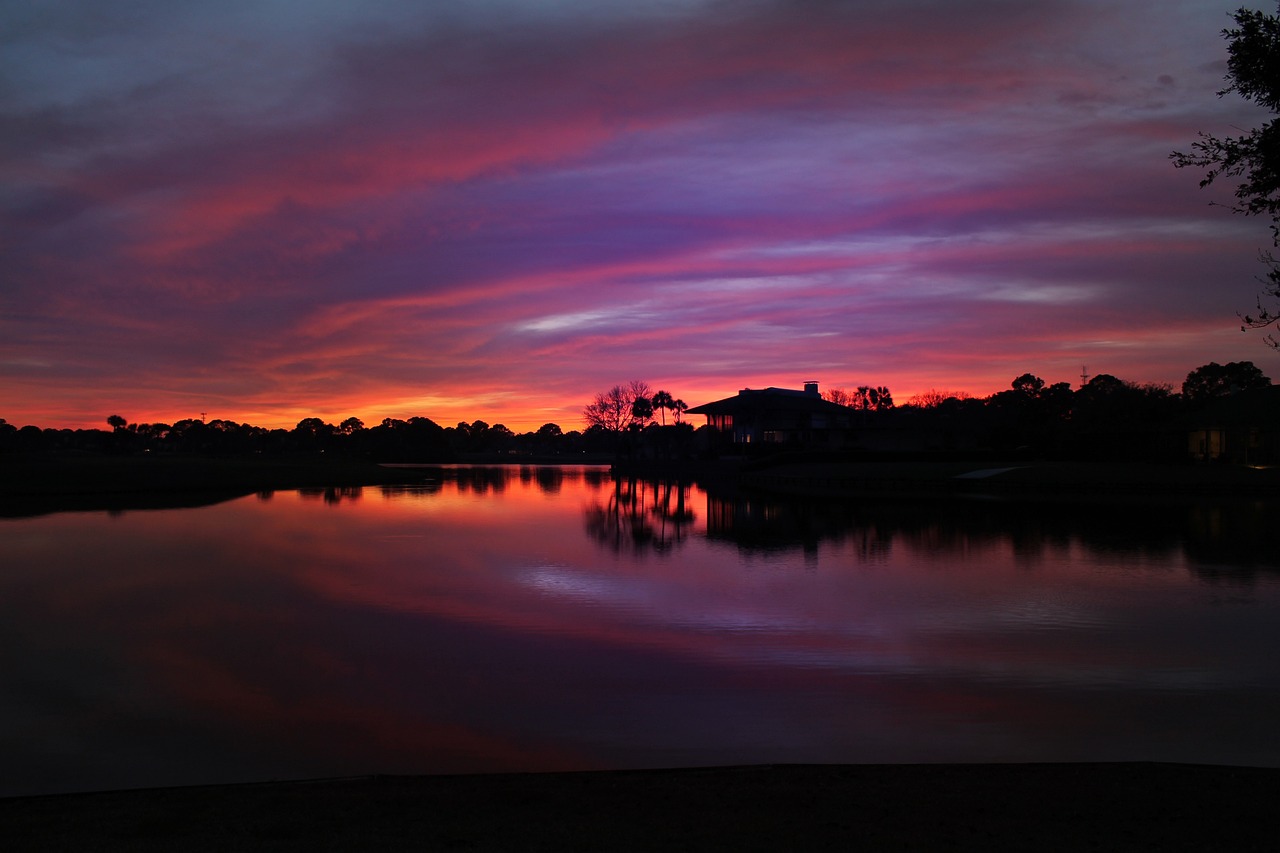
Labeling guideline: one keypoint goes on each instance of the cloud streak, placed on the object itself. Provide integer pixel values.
(494, 212)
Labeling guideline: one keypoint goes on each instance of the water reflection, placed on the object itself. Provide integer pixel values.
(331, 494)
(1221, 541)
(1233, 542)
(484, 479)
(517, 618)
(641, 515)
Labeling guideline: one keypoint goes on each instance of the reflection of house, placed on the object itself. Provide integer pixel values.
(1243, 427)
(779, 415)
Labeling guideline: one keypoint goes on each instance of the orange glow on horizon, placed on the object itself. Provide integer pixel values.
(472, 228)
(519, 415)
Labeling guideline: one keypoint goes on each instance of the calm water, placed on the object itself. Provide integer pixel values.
(509, 619)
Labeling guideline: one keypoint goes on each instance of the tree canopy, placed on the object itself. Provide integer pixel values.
(1253, 73)
(1220, 380)
(864, 397)
(616, 409)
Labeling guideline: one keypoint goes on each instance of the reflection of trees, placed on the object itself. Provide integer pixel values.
(481, 480)
(486, 479)
(758, 523)
(596, 477)
(1233, 542)
(333, 494)
(1223, 540)
(549, 479)
(410, 490)
(641, 515)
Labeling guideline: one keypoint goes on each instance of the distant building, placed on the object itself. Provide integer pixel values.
(779, 416)
(1242, 428)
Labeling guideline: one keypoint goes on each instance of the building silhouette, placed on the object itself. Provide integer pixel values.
(779, 416)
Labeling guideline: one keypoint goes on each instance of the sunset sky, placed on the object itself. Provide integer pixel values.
(266, 211)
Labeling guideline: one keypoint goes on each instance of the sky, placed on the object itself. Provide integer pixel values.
(264, 210)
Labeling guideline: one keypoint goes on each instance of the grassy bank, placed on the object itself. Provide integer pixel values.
(1016, 478)
(46, 475)
(1047, 807)
(35, 484)
(43, 483)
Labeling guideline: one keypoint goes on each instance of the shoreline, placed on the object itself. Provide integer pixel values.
(40, 484)
(1117, 806)
(1017, 479)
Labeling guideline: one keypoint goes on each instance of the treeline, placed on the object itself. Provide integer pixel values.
(1104, 417)
(417, 439)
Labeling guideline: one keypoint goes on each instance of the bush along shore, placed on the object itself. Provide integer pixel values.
(1013, 478)
(37, 483)
(30, 485)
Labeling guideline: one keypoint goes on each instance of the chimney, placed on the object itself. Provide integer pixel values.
(811, 388)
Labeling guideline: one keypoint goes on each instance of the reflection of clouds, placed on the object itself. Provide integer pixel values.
(658, 602)
(737, 620)
(1074, 675)
(562, 582)
(1045, 615)
(401, 629)
(1028, 643)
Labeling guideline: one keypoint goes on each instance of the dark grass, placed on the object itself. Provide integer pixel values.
(37, 484)
(1021, 479)
(790, 807)
(31, 484)
(90, 474)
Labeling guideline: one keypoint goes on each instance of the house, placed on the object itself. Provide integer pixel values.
(1242, 428)
(779, 416)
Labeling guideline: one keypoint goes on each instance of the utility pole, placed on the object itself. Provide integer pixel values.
(1084, 376)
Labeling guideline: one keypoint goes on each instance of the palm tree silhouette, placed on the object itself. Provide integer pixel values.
(663, 401)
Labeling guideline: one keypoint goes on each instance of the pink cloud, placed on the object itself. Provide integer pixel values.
(498, 222)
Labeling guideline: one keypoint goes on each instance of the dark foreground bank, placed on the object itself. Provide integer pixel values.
(869, 807)
(33, 485)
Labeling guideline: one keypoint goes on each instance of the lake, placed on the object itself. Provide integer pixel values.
(529, 619)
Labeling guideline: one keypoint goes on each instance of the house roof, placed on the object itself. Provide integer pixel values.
(1257, 407)
(773, 399)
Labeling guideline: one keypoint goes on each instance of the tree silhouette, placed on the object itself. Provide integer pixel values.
(934, 398)
(839, 396)
(641, 412)
(662, 401)
(614, 410)
(1253, 72)
(1220, 380)
(863, 398)
(1104, 385)
(116, 422)
(610, 410)
(871, 399)
(1028, 385)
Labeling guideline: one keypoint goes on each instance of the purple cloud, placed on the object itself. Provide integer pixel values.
(495, 212)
